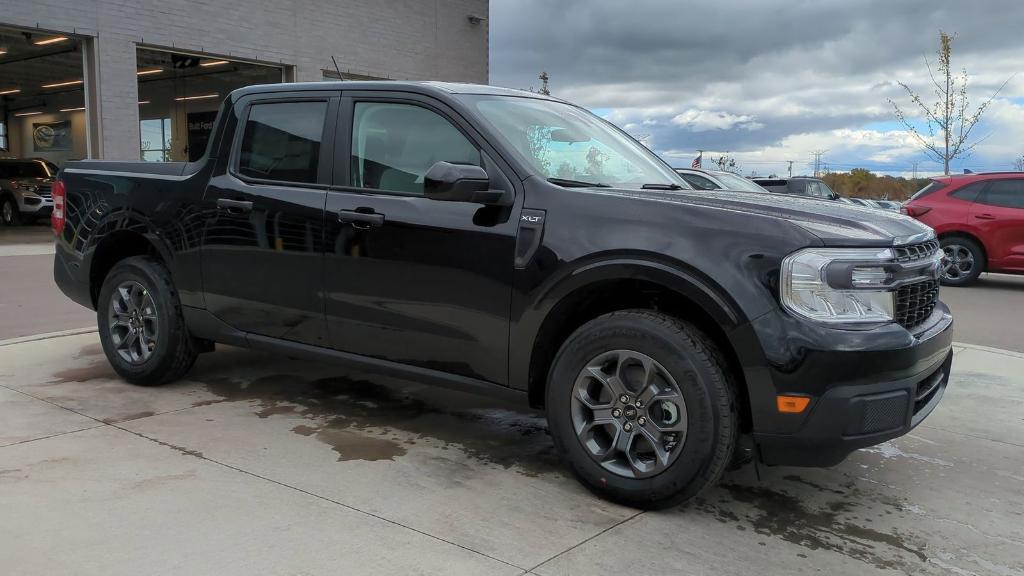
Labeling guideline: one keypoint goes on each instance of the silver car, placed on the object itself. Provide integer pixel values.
(717, 180)
(25, 186)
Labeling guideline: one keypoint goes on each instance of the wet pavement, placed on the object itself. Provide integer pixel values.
(262, 464)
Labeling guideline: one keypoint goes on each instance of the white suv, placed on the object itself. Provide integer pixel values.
(25, 190)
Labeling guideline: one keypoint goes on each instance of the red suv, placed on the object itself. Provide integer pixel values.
(979, 219)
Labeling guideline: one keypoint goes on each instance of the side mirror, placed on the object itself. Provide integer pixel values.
(461, 183)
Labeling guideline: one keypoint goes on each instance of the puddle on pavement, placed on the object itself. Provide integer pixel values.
(364, 420)
(98, 369)
(830, 525)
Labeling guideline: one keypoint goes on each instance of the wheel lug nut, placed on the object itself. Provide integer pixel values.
(616, 413)
(628, 426)
(624, 399)
(639, 404)
(641, 420)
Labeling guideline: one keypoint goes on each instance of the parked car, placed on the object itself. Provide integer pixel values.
(701, 179)
(25, 190)
(463, 236)
(979, 219)
(888, 205)
(855, 201)
(799, 185)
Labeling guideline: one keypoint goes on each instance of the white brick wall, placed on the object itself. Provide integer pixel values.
(400, 39)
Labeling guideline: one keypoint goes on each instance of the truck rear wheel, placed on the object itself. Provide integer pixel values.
(642, 408)
(140, 323)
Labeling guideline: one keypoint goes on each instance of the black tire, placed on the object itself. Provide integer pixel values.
(9, 214)
(174, 350)
(964, 261)
(700, 373)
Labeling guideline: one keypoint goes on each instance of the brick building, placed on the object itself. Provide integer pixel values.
(130, 79)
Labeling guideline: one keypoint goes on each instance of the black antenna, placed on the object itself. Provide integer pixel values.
(338, 70)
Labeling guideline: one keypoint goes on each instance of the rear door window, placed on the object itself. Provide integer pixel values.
(281, 142)
(1005, 193)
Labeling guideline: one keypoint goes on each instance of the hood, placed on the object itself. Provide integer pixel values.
(37, 180)
(834, 223)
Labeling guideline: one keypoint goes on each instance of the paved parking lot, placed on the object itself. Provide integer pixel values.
(267, 465)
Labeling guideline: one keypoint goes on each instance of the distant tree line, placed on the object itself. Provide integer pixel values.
(862, 183)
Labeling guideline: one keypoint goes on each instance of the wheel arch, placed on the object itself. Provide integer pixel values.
(620, 284)
(116, 245)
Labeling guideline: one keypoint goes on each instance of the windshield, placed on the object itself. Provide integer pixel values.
(27, 169)
(734, 182)
(563, 142)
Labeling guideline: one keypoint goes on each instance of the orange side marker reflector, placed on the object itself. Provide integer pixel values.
(792, 404)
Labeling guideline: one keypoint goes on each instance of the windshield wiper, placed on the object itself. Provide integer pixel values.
(662, 187)
(577, 183)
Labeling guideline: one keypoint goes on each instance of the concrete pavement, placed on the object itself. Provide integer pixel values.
(258, 464)
(989, 312)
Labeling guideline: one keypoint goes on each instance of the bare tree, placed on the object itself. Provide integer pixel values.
(1018, 164)
(949, 124)
(726, 163)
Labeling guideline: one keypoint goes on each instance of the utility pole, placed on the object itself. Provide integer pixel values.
(817, 161)
(790, 168)
(915, 170)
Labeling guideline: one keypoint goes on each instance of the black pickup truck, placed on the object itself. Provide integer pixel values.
(511, 243)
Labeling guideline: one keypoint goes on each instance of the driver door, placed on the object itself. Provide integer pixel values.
(408, 279)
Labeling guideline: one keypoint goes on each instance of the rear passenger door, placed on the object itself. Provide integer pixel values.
(262, 251)
(409, 279)
(998, 214)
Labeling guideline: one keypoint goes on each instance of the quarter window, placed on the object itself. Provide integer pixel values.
(1007, 193)
(969, 192)
(394, 145)
(281, 141)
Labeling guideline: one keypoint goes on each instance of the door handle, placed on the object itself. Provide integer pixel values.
(984, 217)
(234, 206)
(361, 218)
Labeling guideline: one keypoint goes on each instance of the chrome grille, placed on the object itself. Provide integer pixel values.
(912, 252)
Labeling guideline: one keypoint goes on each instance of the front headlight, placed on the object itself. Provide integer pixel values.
(838, 285)
(30, 188)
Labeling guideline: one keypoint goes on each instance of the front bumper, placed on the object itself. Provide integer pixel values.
(865, 388)
(36, 206)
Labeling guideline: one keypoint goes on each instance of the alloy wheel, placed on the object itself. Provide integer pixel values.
(133, 322)
(957, 263)
(628, 413)
(8, 213)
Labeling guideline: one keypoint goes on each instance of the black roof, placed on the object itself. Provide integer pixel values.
(430, 88)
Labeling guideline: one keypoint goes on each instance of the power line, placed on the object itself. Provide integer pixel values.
(817, 161)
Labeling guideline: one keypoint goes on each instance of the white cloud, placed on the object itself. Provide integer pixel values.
(701, 120)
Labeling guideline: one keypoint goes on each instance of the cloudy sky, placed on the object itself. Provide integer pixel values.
(769, 80)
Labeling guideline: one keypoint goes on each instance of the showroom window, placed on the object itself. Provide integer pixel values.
(156, 139)
(281, 141)
(179, 95)
(42, 95)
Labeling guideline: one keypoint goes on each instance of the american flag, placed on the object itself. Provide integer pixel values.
(696, 161)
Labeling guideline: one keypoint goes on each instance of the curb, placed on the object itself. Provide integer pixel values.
(989, 349)
(45, 336)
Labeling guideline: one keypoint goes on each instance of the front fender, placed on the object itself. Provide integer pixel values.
(533, 307)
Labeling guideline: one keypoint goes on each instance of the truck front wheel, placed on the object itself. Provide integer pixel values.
(140, 323)
(642, 407)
